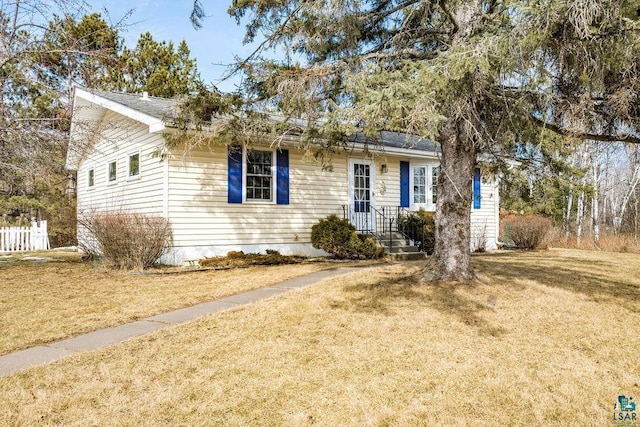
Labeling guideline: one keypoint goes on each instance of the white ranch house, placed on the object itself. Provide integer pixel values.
(232, 198)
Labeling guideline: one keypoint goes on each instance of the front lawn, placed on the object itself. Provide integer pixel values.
(545, 338)
(45, 302)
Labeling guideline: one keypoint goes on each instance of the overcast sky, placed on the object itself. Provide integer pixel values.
(215, 43)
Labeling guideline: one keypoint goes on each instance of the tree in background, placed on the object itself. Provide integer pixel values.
(589, 188)
(34, 115)
(46, 47)
(78, 51)
(155, 67)
(474, 75)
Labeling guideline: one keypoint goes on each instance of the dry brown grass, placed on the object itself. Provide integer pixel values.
(44, 302)
(609, 242)
(543, 339)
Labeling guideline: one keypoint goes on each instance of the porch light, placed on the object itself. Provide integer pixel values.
(383, 168)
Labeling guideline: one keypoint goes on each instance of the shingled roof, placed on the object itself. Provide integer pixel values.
(166, 108)
(398, 140)
(157, 113)
(160, 108)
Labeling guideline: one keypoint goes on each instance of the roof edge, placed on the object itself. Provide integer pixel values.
(155, 124)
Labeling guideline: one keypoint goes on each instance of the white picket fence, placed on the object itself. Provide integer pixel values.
(21, 239)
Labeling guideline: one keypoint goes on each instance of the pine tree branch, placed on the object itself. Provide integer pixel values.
(585, 135)
(380, 14)
(452, 18)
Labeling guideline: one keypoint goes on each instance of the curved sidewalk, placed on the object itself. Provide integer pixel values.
(22, 359)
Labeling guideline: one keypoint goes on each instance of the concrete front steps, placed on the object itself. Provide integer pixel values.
(398, 248)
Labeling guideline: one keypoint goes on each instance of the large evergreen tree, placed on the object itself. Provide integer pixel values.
(475, 75)
(156, 67)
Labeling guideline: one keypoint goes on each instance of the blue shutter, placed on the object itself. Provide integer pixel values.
(282, 177)
(476, 188)
(404, 184)
(234, 174)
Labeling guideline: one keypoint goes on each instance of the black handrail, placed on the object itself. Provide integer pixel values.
(382, 223)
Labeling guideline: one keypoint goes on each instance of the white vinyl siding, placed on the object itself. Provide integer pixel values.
(120, 137)
(202, 217)
(387, 184)
(192, 192)
(484, 221)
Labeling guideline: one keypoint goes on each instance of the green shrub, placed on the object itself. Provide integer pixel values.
(339, 238)
(419, 226)
(525, 231)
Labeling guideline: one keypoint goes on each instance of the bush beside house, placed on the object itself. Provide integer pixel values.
(128, 241)
(525, 231)
(339, 238)
(419, 226)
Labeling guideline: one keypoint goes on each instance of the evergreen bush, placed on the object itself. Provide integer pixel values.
(339, 238)
(419, 226)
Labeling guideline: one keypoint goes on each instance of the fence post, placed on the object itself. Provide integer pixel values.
(34, 238)
(21, 239)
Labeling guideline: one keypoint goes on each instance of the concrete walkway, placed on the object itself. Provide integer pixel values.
(23, 359)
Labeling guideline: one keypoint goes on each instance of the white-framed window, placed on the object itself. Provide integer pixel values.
(259, 175)
(423, 185)
(112, 171)
(420, 185)
(435, 172)
(91, 177)
(133, 165)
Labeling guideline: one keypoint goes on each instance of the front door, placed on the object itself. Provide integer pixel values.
(361, 197)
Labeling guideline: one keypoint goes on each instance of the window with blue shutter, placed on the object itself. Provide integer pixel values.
(282, 177)
(404, 184)
(259, 184)
(234, 174)
(476, 188)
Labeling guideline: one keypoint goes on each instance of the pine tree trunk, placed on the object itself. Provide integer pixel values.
(452, 255)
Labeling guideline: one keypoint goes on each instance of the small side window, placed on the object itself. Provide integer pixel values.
(435, 172)
(134, 165)
(112, 171)
(91, 178)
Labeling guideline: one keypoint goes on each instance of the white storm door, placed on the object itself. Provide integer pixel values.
(361, 196)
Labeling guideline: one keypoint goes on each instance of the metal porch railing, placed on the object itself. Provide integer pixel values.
(385, 223)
